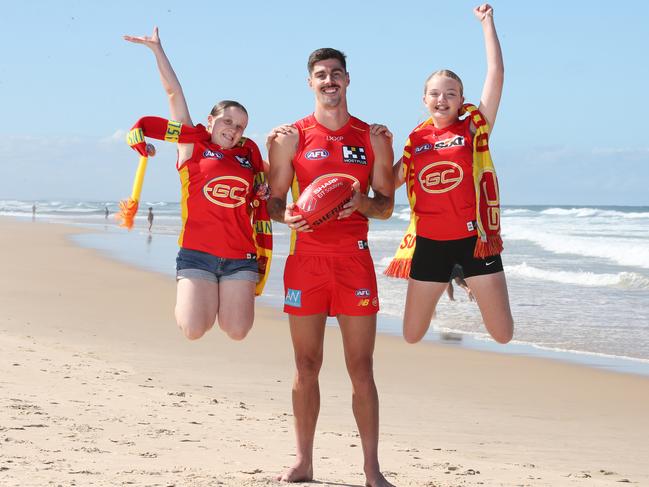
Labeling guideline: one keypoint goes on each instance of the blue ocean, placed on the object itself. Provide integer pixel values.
(578, 277)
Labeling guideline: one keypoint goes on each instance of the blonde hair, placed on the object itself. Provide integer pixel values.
(448, 74)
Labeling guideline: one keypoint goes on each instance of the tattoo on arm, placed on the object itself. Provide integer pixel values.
(379, 206)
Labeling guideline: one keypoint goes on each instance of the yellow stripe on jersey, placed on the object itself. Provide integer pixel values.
(406, 149)
(295, 193)
(184, 195)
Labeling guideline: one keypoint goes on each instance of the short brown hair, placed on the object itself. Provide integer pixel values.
(326, 53)
(223, 104)
(448, 74)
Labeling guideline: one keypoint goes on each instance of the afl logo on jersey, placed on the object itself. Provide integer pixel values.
(317, 154)
(227, 191)
(212, 154)
(440, 177)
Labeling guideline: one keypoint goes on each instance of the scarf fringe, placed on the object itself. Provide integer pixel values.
(127, 210)
(399, 268)
(491, 245)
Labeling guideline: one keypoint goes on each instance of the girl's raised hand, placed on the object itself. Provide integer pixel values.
(483, 11)
(149, 41)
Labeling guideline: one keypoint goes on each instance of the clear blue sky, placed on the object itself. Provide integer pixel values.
(571, 127)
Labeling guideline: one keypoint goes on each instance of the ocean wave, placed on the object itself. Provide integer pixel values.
(386, 236)
(632, 252)
(402, 214)
(625, 280)
(594, 212)
(516, 211)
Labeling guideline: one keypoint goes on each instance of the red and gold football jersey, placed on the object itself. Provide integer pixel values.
(347, 152)
(442, 161)
(217, 190)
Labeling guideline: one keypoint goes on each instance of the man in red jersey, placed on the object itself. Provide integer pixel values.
(329, 271)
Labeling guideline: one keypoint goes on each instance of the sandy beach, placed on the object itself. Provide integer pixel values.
(98, 387)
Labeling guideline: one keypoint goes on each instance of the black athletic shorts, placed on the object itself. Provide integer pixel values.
(434, 259)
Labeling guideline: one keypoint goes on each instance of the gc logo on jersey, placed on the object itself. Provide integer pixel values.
(227, 191)
(212, 154)
(440, 177)
(354, 155)
(316, 154)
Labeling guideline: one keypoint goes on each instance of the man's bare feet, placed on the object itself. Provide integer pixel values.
(300, 472)
(377, 480)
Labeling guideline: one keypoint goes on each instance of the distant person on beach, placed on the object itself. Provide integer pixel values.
(453, 192)
(34, 211)
(458, 276)
(221, 259)
(330, 272)
(149, 218)
(106, 212)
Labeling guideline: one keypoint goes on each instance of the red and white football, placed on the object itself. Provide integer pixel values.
(324, 198)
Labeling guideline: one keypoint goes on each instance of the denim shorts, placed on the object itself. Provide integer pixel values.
(201, 265)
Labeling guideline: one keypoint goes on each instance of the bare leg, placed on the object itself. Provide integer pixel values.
(490, 292)
(307, 333)
(359, 333)
(421, 299)
(197, 302)
(237, 308)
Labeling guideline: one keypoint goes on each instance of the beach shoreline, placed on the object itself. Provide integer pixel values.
(99, 387)
(96, 238)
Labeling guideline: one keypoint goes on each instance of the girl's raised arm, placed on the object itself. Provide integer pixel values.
(177, 103)
(493, 84)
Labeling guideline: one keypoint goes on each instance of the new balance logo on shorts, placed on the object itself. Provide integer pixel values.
(293, 298)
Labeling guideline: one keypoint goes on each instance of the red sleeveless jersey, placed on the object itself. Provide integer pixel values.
(217, 190)
(346, 151)
(442, 161)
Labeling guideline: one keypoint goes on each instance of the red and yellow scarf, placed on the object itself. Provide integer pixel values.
(486, 195)
(171, 131)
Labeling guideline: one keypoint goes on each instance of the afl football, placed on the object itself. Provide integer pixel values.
(324, 198)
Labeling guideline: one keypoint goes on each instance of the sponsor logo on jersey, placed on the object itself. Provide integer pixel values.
(317, 154)
(212, 154)
(335, 138)
(363, 293)
(354, 155)
(440, 177)
(363, 245)
(243, 162)
(470, 226)
(423, 148)
(456, 141)
(227, 191)
(293, 298)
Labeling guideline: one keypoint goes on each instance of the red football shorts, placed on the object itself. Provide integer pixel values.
(330, 284)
